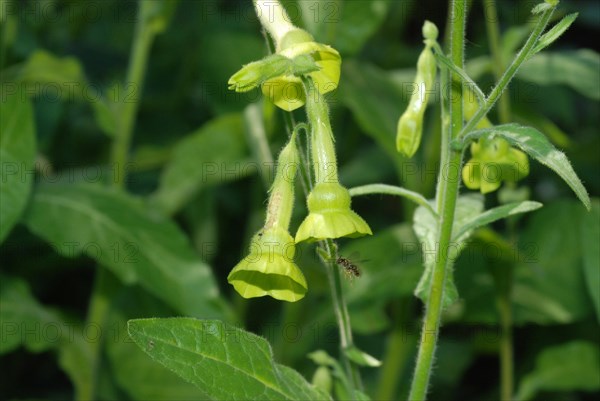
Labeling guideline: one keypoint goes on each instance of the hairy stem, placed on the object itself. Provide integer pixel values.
(334, 274)
(433, 309)
(493, 32)
(510, 72)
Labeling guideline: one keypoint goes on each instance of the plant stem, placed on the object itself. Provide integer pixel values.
(334, 274)
(504, 305)
(448, 201)
(493, 32)
(142, 41)
(510, 72)
(386, 189)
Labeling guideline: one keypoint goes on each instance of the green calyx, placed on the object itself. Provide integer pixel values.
(269, 269)
(330, 215)
(286, 90)
(493, 161)
(279, 75)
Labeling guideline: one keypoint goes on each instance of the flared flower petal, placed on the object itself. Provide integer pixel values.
(494, 162)
(269, 269)
(330, 215)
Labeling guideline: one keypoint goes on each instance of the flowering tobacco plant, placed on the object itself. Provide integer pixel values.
(299, 73)
(192, 224)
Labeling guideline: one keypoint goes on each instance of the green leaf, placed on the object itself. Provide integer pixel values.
(24, 321)
(426, 225)
(549, 286)
(17, 154)
(570, 366)
(537, 146)
(497, 213)
(223, 361)
(577, 69)
(64, 76)
(121, 234)
(345, 25)
(376, 99)
(590, 247)
(141, 377)
(213, 154)
(43, 67)
(557, 30)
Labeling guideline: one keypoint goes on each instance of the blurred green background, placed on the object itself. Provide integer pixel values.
(192, 159)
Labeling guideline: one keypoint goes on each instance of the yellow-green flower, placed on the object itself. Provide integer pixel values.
(286, 91)
(279, 74)
(330, 215)
(493, 161)
(269, 269)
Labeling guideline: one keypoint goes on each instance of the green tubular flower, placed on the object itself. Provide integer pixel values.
(269, 269)
(410, 124)
(330, 215)
(280, 81)
(493, 161)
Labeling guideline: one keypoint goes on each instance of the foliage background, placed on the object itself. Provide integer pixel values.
(189, 124)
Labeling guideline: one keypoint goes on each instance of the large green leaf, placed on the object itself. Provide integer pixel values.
(214, 154)
(141, 377)
(577, 69)
(549, 282)
(537, 146)
(17, 153)
(590, 248)
(223, 361)
(345, 25)
(122, 235)
(570, 366)
(23, 320)
(426, 225)
(549, 285)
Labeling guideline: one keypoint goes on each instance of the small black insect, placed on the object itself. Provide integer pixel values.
(350, 268)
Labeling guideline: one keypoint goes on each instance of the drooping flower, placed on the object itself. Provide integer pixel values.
(494, 161)
(330, 214)
(297, 55)
(269, 268)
